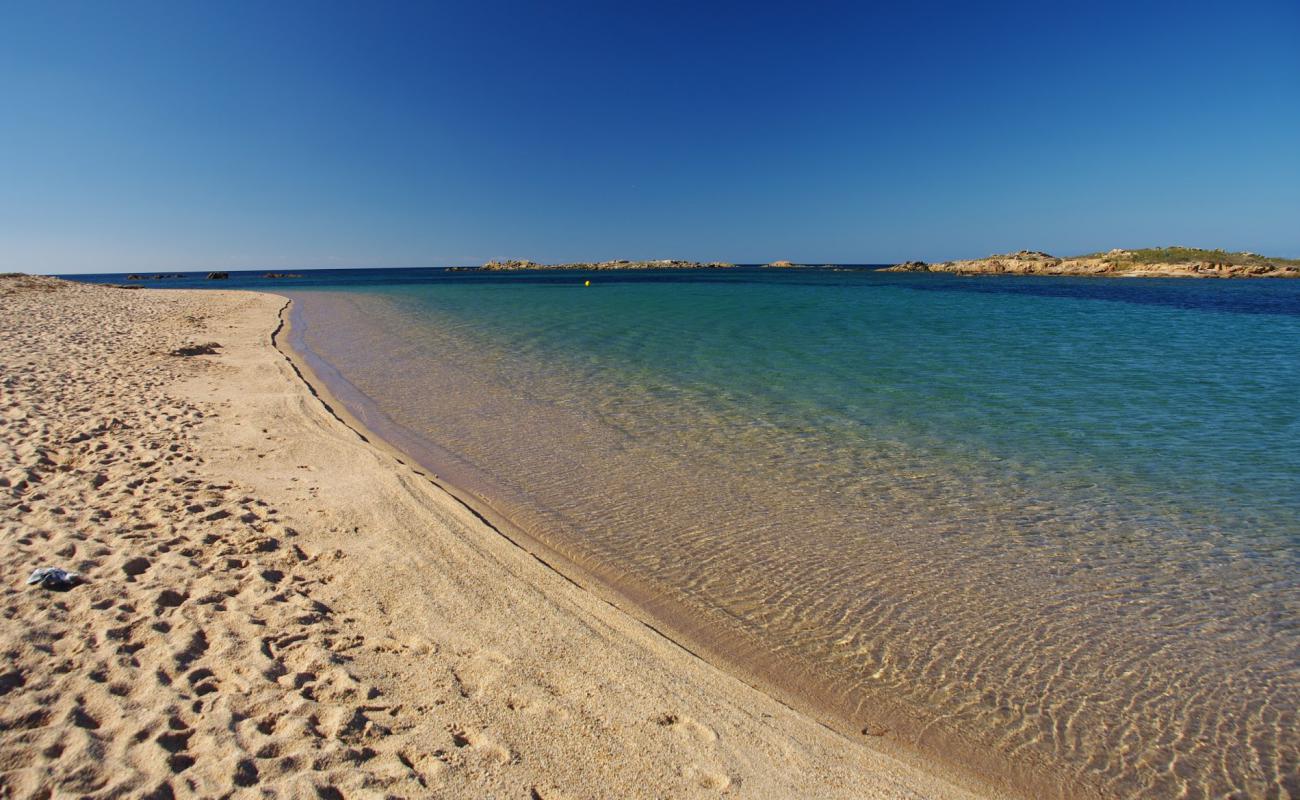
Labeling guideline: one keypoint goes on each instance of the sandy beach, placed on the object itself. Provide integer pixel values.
(274, 606)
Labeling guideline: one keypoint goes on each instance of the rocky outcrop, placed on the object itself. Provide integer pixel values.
(513, 266)
(218, 276)
(781, 264)
(158, 277)
(279, 275)
(1173, 262)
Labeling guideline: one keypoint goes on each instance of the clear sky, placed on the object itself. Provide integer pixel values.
(175, 135)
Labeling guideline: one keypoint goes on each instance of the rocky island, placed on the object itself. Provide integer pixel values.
(517, 266)
(1155, 262)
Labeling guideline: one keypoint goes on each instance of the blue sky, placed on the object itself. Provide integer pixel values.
(170, 135)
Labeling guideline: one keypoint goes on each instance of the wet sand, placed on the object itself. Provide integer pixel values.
(275, 606)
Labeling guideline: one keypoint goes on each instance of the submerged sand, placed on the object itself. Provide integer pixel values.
(275, 607)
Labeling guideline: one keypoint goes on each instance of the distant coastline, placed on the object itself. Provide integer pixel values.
(521, 266)
(620, 264)
(1164, 262)
(1155, 262)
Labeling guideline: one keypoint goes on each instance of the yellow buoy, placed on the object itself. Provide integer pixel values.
(586, 283)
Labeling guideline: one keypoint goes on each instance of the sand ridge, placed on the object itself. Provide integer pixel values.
(276, 608)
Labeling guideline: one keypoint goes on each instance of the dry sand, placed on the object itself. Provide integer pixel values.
(275, 608)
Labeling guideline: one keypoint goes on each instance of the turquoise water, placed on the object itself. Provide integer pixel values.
(1046, 526)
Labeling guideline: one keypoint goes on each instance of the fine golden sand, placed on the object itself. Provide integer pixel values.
(274, 607)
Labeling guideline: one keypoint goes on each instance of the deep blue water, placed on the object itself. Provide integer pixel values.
(1238, 296)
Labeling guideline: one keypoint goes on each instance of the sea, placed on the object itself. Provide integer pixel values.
(1046, 529)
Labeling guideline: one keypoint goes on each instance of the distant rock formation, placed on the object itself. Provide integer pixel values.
(278, 275)
(514, 266)
(781, 264)
(1166, 262)
(218, 276)
(159, 277)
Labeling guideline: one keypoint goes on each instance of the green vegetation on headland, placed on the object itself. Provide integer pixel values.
(1154, 262)
(1187, 255)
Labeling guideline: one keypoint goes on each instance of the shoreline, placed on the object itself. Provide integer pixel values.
(941, 752)
(317, 613)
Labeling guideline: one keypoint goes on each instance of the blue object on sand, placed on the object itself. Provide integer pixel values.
(53, 578)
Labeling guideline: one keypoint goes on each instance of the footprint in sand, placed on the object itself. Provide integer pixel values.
(688, 727)
(525, 698)
(709, 779)
(134, 567)
(481, 670)
(480, 746)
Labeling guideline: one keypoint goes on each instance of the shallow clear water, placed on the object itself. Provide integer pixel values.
(1046, 526)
